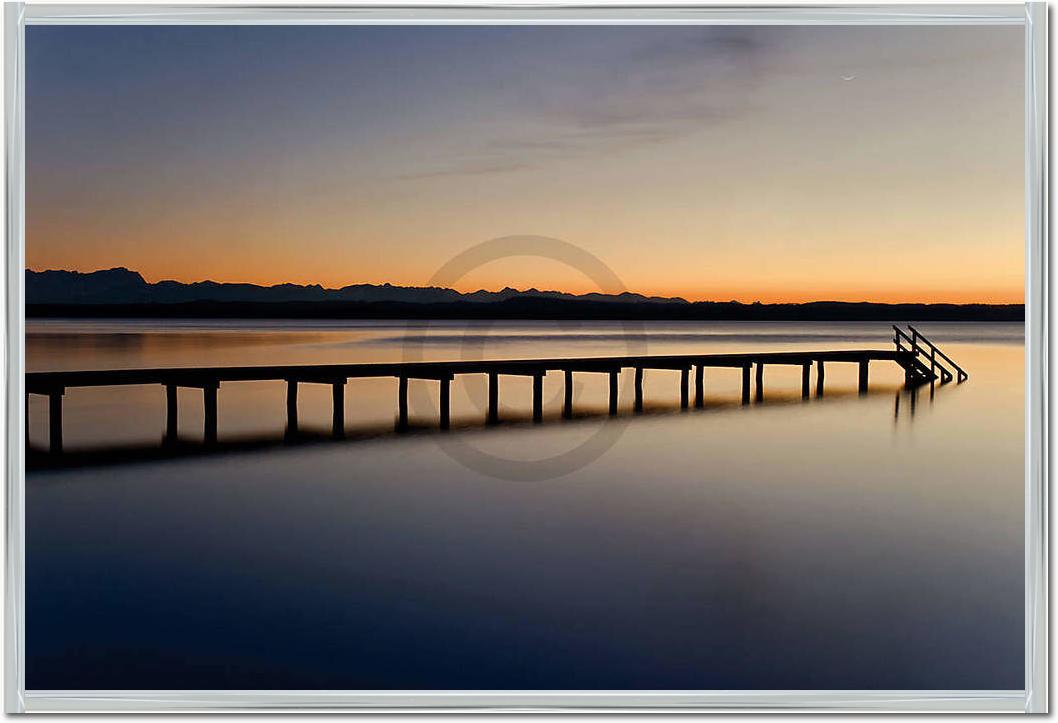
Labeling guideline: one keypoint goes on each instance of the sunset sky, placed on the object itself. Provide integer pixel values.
(750, 163)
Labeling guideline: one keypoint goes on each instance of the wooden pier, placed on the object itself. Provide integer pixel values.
(913, 353)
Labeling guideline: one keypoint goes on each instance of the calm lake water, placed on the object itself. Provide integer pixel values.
(840, 542)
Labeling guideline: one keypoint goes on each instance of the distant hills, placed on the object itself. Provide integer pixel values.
(122, 286)
(119, 292)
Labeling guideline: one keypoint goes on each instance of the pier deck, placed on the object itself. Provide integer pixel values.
(47, 382)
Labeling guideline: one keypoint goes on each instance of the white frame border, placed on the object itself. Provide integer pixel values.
(1033, 699)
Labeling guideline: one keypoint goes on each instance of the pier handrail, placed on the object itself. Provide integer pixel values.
(933, 347)
(926, 373)
(922, 346)
(901, 336)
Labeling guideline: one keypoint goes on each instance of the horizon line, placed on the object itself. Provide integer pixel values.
(648, 296)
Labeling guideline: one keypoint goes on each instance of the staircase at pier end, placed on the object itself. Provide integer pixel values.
(923, 361)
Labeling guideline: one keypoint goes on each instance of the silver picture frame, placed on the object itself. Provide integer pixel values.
(1032, 699)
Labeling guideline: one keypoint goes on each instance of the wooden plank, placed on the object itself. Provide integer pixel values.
(613, 393)
(638, 401)
(699, 391)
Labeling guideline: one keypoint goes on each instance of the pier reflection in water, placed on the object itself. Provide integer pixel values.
(792, 544)
(513, 419)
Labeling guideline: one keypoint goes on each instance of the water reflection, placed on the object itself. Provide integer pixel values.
(38, 457)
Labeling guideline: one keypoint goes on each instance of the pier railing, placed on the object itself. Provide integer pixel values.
(929, 352)
(208, 379)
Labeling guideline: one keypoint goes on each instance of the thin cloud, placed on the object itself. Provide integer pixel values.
(470, 169)
(641, 95)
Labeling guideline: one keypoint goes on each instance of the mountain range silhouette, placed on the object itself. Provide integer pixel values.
(122, 293)
(122, 286)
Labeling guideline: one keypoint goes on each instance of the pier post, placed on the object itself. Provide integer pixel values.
(806, 385)
(402, 403)
(613, 393)
(685, 376)
(699, 391)
(819, 377)
(494, 398)
(638, 404)
(567, 400)
(170, 413)
(538, 398)
(292, 407)
(338, 409)
(745, 384)
(760, 382)
(55, 420)
(445, 402)
(863, 375)
(209, 409)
